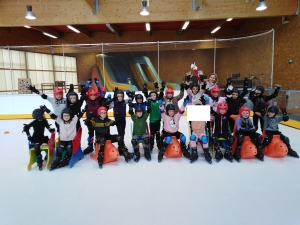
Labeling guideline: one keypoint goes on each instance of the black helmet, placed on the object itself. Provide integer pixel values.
(66, 111)
(273, 109)
(138, 109)
(151, 92)
(139, 96)
(72, 93)
(38, 114)
(261, 89)
(119, 92)
(235, 90)
(170, 107)
(195, 85)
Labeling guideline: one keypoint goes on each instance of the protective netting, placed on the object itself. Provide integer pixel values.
(129, 65)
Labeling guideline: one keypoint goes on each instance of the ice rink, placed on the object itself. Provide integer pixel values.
(172, 192)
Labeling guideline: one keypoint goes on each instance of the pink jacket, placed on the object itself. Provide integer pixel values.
(171, 124)
(67, 130)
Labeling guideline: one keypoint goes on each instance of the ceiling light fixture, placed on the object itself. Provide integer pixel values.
(185, 25)
(216, 26)
(229, 19)
(29, 14)
(110, 27)
(27, 26)
(144, 11)
(73, 29)
(148, 27)
(49, 35)
(261, 5)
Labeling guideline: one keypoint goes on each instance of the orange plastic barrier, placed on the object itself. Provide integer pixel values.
(174, 149)
(248, 149)
(111, 153)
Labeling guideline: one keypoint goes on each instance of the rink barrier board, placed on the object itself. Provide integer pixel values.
(290, 123)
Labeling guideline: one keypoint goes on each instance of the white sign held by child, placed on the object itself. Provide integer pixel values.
(198, 112)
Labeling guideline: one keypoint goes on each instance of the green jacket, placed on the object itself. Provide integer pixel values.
(139, 124)
(155, 112)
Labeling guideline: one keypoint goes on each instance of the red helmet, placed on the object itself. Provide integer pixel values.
(215, 89)
(100, 109)
(92, 92)
(169, 91)
(58, 91)
(244, 108)
(222, 106)
(103, 90)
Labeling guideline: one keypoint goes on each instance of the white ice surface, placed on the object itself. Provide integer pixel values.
(171, 192)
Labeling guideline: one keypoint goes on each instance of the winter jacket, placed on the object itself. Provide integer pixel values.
(67, 131)
(174, 101)
(171, 124)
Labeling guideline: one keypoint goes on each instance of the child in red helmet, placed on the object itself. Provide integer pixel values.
(245, 127)
(221, 131)
(68, 131)
(170, 99)
(102, 124)
(214, 100)
(171, 127)
(93, 99)
(58, 102)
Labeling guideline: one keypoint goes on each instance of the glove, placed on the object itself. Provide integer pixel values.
(51, 130)
(163, 85)
(202, 99)
(88, 83)
(160, 103)
(155, 85)
(149, 102)
(25, 128)
(187, 100)
(182, 86)
(253, 89)
(144, 86)
(285, 118)
(29, 138)
(130, 103)
(246, 82)
(97, 82)
(81, 83)
(200, 75)
(188, 78)
(283, 110)
(32, 89)
(109, 97)
(229, 81)
(44, 109)
(277, 88)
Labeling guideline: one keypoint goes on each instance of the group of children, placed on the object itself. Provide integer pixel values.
(159, 106)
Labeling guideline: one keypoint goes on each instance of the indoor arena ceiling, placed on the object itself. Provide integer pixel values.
(52, 16)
